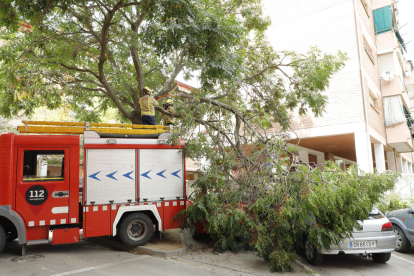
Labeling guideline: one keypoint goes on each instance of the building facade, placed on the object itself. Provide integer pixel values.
(367, 119)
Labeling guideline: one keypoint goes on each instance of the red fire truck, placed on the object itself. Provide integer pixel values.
(133, 182)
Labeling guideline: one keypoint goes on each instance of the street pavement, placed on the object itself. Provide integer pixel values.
(90, 257)
(333, 265)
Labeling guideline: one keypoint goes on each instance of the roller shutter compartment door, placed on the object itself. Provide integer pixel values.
(110, 175)
(161, 174)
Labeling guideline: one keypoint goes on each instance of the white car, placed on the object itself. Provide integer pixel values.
(375, 239)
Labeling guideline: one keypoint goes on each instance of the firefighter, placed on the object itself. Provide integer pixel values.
(169, 107)
(147, 103)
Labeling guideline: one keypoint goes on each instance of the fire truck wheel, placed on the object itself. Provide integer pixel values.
(136, 229)
(2, 238)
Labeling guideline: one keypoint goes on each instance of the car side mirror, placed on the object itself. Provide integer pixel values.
(411, 210)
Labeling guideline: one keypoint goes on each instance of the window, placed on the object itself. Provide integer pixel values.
(372, 101)
(366, 7)
(408, 116)
(368, 50)
(43, 166)
(192, 176)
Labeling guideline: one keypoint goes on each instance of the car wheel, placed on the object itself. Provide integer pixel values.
(2, 238)
(381, 257)
(312, 254)
(136, 229)
(401, 242)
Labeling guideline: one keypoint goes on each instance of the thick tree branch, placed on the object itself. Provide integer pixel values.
(167, 86)
(136, 60)
(102, 58)
(139, 73)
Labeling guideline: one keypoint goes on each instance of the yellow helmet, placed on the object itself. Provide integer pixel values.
(146, 90)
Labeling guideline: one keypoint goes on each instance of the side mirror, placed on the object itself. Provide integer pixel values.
(411, 210)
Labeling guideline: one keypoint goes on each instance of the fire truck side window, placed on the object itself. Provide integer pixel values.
(43, 166)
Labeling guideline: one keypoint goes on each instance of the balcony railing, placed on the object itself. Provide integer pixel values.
(400, 137)
(395, 87)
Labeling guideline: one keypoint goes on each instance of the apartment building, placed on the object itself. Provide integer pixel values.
(367, 119)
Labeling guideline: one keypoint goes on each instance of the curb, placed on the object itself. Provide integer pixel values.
(164, 253)
(111, 242)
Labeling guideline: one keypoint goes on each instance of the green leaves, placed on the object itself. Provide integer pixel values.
(252, 210)
(72, 54)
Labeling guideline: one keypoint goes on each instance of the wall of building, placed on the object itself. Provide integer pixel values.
(366, 18)
(386, 42)
(404, 186)
(370, 70)
(375, 114)
(330, 25)
(377, 4)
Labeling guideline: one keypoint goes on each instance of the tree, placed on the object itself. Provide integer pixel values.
(100, 54)
(109, 50)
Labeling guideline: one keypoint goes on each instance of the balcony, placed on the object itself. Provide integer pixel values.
(399, 137)
(386, 42)
(395, 87)
(409, 82)
(385, 27)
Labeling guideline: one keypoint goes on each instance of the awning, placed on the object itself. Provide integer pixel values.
(393, 111)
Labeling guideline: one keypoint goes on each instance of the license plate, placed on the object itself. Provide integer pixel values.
(362, 244)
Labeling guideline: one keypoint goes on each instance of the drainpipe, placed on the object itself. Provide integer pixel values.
(363, 88)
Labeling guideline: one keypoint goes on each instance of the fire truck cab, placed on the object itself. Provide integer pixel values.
(130, 186)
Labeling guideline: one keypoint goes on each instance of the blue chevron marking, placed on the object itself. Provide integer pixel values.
(127, 175)
(94, 176)
(176, 174)
(160, 173)
(146, 174)
(111, 175)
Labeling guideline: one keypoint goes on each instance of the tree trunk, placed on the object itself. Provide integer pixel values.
(136, 117)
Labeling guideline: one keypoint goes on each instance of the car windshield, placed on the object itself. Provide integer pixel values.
(375, 214)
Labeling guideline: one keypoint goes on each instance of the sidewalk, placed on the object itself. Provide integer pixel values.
(180, 246)
(171, 244)
(243, 262)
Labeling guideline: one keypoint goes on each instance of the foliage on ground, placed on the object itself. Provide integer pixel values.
(393, 202)
(272, 214)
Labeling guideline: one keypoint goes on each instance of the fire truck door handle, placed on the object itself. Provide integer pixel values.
(59, 194)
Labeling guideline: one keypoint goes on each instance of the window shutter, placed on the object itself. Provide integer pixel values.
(383, 19)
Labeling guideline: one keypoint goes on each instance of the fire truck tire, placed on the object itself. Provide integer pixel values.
(136, 229)
(2, 238)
